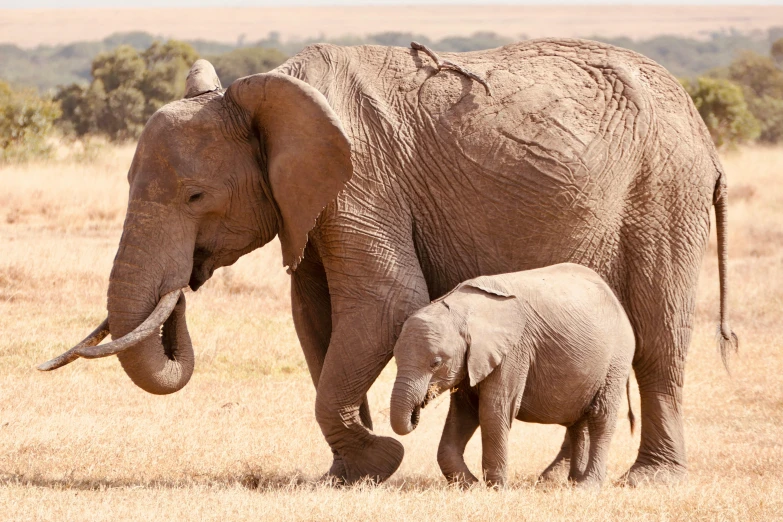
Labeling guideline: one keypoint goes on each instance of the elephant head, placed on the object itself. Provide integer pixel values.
(215, 175)
(466, 333)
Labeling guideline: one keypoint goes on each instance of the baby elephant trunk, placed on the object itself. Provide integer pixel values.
(408, 397)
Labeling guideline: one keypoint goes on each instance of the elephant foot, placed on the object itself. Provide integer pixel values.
(557, 471)
(642, 474)
(375, 462)
(336, 475)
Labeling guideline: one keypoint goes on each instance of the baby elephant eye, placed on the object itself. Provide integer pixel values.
(196, 197)
(436, 363)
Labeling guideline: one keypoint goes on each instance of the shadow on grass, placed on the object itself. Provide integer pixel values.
(248, 480)
(251, 479)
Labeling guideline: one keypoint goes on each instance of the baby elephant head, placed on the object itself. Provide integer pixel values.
(466, 333)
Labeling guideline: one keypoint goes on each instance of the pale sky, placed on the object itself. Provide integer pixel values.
(47, 4)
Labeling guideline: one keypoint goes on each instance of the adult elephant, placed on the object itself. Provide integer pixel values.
(389, 181)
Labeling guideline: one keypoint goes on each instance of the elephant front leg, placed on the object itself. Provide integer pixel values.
(312, 313)
(357, 355)
(495, 417)
(461, 423)
(370, 302)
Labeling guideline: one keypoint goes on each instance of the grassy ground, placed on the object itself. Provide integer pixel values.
(240, 442)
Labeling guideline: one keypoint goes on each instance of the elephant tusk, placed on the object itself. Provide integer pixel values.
(89, 348)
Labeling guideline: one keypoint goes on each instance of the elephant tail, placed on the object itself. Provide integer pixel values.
(631, 416)
(727, 339)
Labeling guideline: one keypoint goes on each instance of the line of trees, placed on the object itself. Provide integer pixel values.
(127, 86)
(741, 102)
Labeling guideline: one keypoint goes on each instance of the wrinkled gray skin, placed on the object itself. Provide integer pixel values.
(395, 182)
(551, 346)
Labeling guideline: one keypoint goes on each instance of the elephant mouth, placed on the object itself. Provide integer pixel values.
(415, 416)
(202, 268)
(416, 413)
(432, 392)
(168, 332)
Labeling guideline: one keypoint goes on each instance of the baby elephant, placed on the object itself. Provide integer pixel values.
(551, 345)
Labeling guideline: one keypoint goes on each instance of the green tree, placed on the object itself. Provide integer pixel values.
(762, 83)
(722, 106)
(127, 87)
(121, 67)
(244, 62)
(769, 111)
(757, 74)
(26, 121)
(167, 67)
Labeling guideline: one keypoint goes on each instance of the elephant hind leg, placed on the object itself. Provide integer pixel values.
(661, 311)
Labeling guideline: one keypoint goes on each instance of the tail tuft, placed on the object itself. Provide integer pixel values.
(727, 343)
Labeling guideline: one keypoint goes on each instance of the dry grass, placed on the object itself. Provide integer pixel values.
(240, 442)
(31, 27)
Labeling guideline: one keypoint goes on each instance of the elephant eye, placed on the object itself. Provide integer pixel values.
(436, 363)
(196, 197)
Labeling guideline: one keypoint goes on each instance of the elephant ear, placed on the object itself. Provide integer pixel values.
(494, 324)
(307, 151)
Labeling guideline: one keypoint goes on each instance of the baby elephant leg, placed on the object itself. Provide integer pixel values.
(579, 444)
(559, 468)
(461, 424)
(601, 422)
(495, 419)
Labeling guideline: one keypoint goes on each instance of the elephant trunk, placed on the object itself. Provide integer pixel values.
(163, 362)
(408, 397)
(160, 363)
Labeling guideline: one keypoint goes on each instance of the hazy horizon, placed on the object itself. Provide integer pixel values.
(80, 4)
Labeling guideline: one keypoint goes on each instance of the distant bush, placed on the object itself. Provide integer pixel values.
(127, 88)
(769, 111)
(246, 61)
(722, 106)
(761, 79)
(26, 121)
(691, 57)
(776, 51)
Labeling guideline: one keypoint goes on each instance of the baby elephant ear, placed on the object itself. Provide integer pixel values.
(490, 284)
(494, 324)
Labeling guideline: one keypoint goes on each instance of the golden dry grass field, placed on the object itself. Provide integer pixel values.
(31, 27)
(240, 442)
